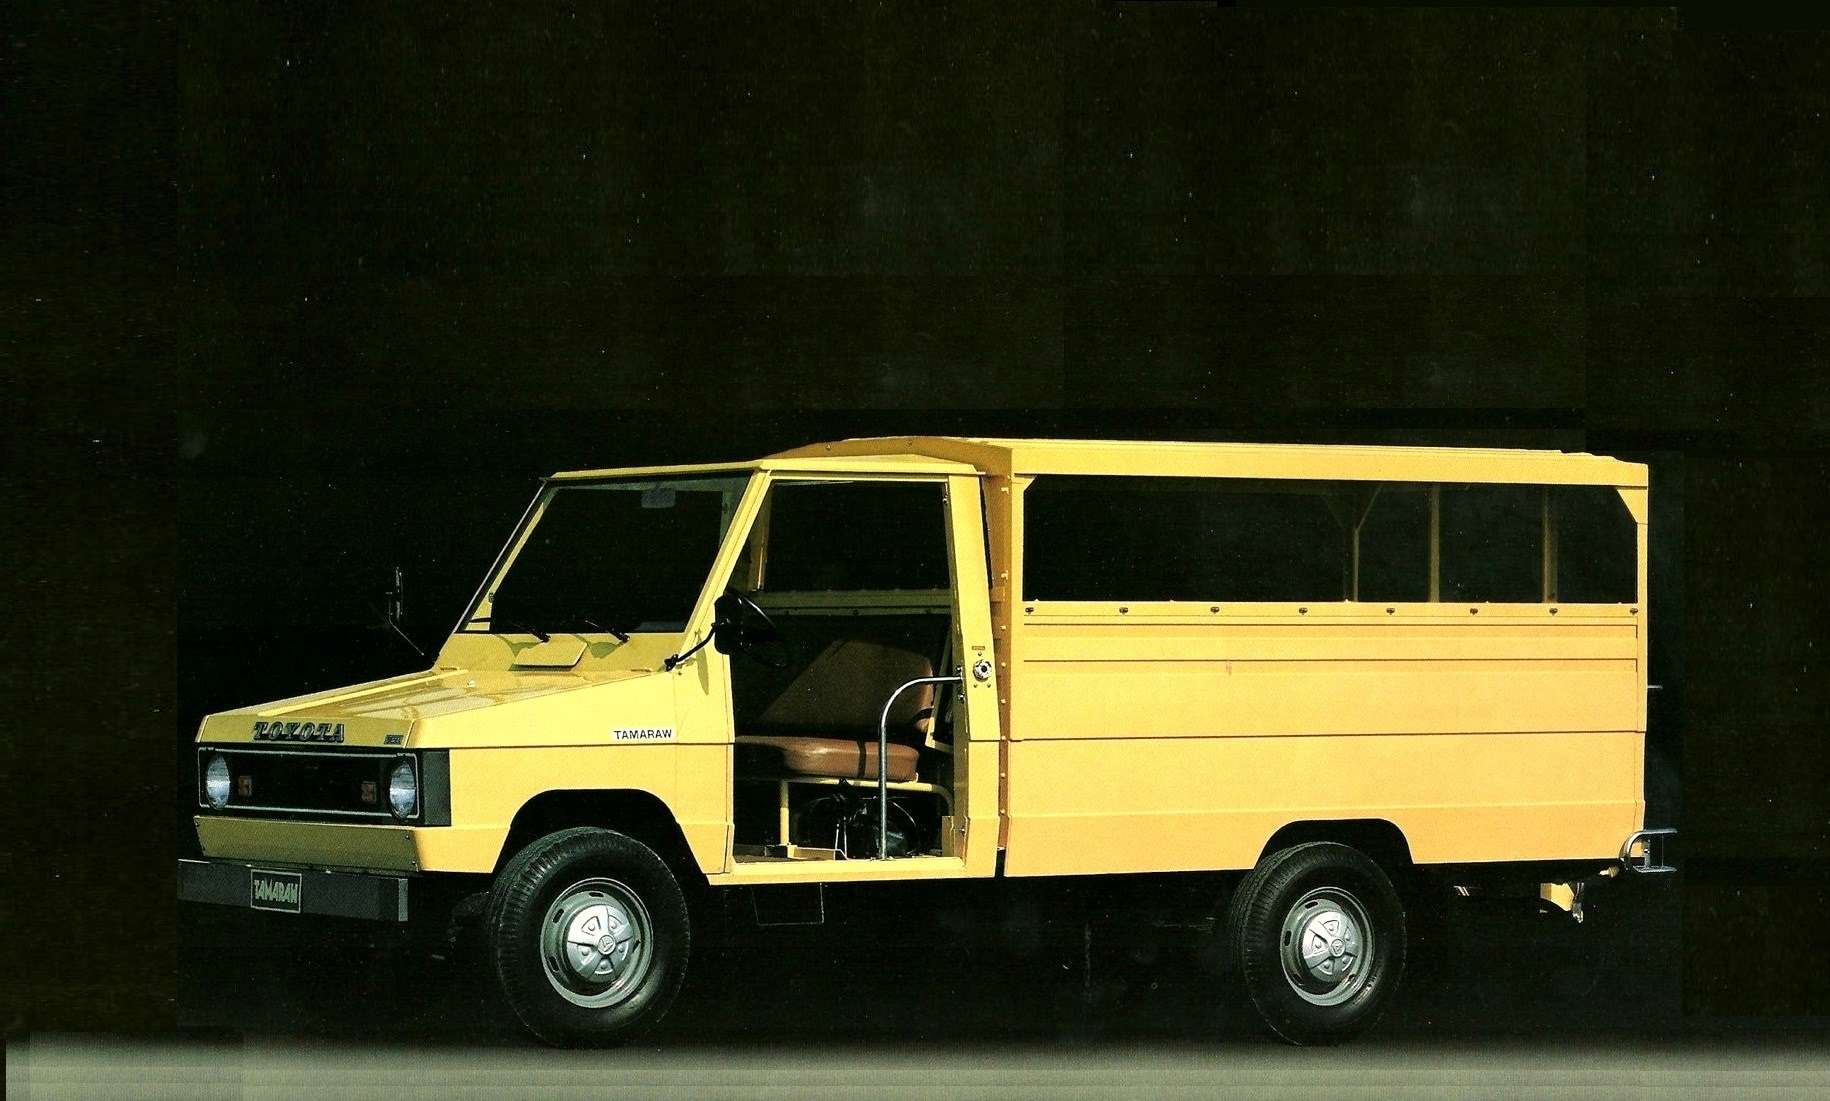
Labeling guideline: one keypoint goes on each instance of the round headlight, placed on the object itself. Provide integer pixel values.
(216, 782)
(403, 788)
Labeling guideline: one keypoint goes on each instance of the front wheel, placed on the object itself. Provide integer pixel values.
(588, 937)
(1316, 933)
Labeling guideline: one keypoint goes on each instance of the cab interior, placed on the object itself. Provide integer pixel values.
(855, 576)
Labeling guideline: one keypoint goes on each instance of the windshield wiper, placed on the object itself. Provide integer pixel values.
(620, 636)
(522, 627)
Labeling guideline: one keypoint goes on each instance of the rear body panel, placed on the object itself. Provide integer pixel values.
(1504, 736)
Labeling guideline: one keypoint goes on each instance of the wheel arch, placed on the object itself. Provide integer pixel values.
(640, 815)
(1379, 839)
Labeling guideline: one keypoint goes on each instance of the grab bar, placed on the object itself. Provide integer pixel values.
(883, 758)
(1650, 858)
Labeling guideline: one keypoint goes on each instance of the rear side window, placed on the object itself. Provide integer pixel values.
(1238, 540)
(1597, 548)
(1395, 545)
(1108, 538)
(1492, 544)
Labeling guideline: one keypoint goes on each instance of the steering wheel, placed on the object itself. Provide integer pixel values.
(752, 627)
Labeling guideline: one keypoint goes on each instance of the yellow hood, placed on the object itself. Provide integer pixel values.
(395, 711)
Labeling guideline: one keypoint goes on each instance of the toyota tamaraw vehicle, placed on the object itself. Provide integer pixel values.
(1325, 668)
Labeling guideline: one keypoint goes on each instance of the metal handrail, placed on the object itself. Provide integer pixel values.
(1646, 855)
(883, 755)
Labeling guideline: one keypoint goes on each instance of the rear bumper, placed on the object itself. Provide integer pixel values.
(294, 890)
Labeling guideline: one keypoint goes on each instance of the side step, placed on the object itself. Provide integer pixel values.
(1650, 858)
(788, 904)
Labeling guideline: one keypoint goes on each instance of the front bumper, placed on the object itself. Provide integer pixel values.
(351, 846)
(294, 890)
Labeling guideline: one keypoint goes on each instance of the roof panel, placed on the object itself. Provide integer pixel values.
(1258, 460)
(963, 454)
(903, 463)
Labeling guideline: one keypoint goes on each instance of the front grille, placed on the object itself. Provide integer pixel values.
(303, 783)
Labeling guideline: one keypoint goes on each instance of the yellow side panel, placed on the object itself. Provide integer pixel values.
(1179, 804)
(1084, 676)
(1153, 740)
(702, 799)
(976, 755)
(702, 803)
(460, 848)
(489, 785)
(1275, 697)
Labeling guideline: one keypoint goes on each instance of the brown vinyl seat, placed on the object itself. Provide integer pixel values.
(815, 756)
(825, 722)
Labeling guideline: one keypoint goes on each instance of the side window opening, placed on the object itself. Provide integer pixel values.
(1238, 540)
(854, 536)
(1115, 538)
(1395, 545)
(1492, 544)
(1597, 547)
(852, 572)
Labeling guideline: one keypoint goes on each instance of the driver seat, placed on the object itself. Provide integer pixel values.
(825, 722)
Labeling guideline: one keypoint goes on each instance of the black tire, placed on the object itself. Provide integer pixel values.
(587, 882)
(1300, 895)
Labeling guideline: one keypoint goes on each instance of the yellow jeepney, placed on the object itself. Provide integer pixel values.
(930, 658)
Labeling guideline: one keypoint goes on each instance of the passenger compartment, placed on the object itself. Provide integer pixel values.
(807, 734)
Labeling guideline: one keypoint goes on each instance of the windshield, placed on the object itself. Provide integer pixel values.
(612, 557)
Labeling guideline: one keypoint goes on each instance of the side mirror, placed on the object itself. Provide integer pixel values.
(392, 602)
(727, 625)
(739, 626)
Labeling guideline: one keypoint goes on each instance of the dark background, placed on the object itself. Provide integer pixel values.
(298, 295)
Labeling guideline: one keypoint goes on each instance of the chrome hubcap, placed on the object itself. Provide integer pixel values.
(596, 943)
(1326, 946)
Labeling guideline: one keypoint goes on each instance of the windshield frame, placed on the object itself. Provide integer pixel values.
(476, 620)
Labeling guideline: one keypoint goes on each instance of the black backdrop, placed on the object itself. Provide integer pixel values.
(387, 267)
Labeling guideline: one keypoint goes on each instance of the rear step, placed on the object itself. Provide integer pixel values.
(1649, 859)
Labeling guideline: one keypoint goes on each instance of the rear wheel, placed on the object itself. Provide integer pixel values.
(1316, 933)
(588, 937)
